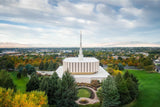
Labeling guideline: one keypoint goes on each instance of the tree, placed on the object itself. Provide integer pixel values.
(30, 69)
(51, 66)
(9, 98)
(10, 65)
(46, 66)
(122, 90)
(121, 67)
(41, 66)
(110, 93)
(44, 85)
(33, 83)
(5, 80)
(126, 75)
(18, 75)
(99, 94)
(132, 87)
(52, 89)
(67, 91)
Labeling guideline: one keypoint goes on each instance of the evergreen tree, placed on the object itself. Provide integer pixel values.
(122, 90)
(52, 89)
(110, 93)
(99, 94)
(30, 69)
(132, 87)
(121, 67)
(44, 84)
(51, 65)
(126, 75)
(67, 91)
(41, 66)
(5, 80)
(33, 83)
(46, 66)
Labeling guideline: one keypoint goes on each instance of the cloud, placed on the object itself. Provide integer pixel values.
(56, 22)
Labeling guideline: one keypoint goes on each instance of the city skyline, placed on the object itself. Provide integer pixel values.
(104, 23)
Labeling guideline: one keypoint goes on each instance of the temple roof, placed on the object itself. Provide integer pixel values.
(85, 59)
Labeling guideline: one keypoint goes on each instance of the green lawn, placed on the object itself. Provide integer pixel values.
(20, 83)
(82, 92)
(149, 89)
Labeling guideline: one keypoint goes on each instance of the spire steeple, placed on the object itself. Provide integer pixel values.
(80, 56)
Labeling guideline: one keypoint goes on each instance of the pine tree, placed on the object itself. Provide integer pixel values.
(110, 93)
(52, 89)
(51, 65)
(132, 87)
(67, 91)
(41, 66)
(33, 83)
(44, 84)
(126, 75)
(122, 90)
(46, 66)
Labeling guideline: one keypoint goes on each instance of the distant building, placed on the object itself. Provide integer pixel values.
(157, 69)
(143, 53)
(157, 63)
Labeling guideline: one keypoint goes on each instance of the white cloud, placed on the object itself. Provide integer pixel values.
(39, 22)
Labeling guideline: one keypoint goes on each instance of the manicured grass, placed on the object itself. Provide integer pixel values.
(20, 83)
(82, 92)
(149, 89)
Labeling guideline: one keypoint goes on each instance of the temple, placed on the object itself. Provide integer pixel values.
(84, 69)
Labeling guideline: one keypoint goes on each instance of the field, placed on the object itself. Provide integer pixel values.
(82, 92)
(149, 89)
(20, 83)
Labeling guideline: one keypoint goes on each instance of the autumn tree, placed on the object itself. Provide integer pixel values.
(9, 98)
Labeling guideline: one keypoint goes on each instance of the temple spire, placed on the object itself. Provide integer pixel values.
(80, 50)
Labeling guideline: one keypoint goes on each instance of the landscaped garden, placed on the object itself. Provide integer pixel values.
(84, 92)
(149, 86)
(20, 83)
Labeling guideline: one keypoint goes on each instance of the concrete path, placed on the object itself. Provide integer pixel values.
(90, 101)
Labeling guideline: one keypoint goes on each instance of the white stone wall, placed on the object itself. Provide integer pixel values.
(81, 66)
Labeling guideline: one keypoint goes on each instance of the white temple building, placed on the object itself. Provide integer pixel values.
(83, 69)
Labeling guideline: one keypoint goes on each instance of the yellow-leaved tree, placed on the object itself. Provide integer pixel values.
(9, 98)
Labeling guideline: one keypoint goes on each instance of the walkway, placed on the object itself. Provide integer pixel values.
(90, 101)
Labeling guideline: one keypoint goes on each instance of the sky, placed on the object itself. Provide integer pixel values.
(57, 23)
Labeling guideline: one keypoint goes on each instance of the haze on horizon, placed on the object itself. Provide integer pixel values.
(57, 23)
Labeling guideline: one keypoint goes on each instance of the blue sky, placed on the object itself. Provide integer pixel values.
(57, 23)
